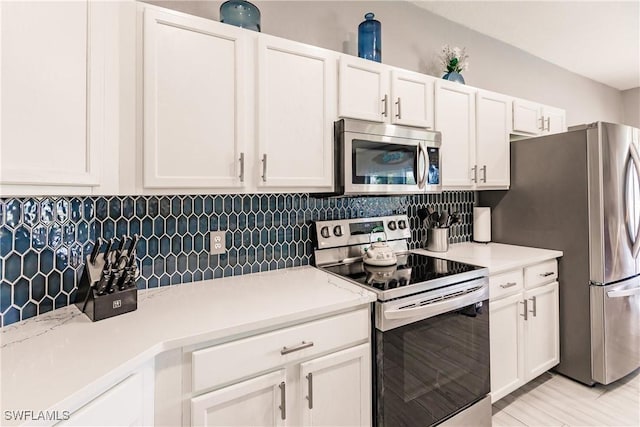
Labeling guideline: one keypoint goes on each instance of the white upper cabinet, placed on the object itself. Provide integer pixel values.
(412, 99)
(379, 93)
(364, 89)
(530, 118)
(555, 120)
(296, 110)
(194, 102)
(52, 120)
(492, 140)
(455, 118)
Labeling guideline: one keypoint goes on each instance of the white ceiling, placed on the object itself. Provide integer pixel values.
(596, 39)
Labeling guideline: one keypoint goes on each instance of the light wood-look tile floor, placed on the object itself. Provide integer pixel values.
(554, 400)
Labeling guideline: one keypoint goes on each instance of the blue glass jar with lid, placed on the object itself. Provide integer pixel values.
(240, 13)
(369, 39)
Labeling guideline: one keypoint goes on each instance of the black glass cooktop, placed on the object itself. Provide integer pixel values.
(410, 269)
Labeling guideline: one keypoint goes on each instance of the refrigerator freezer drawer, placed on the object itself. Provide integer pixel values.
(615, 330)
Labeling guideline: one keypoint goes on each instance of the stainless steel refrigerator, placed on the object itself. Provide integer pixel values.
(579, 192)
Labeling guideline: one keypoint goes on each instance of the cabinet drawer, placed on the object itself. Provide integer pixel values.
(545, 272)
(227, 362)
(505, 284)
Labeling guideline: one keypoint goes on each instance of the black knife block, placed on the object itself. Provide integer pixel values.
(99, 307)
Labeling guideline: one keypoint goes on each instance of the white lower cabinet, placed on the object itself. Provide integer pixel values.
(128, 403)
(524, 326)
(336, 388)
(302, 375)
(255, 402)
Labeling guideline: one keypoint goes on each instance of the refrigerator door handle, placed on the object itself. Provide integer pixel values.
(623, 293)
(635, 157)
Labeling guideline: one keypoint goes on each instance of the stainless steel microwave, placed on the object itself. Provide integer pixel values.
(376, 158)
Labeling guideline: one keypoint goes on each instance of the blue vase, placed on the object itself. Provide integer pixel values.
(369, 39)
(240, 13)
(454, 77)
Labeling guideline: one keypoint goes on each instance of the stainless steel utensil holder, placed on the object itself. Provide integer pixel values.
(438, 239)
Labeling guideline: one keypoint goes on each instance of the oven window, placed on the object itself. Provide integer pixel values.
(429, 370)
(383, 163)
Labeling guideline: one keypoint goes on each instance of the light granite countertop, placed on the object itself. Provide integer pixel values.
(497, 257)
(61, 357)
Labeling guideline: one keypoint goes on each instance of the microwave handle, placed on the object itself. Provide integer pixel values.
(423, 154)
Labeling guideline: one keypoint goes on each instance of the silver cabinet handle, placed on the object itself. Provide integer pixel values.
(241, 159)
(484, 173)
(264, 167)
(547, 274)
(548, 120)
(301, 346)
(399, 113)
(475, 173)
(310, 389)
(283, 401)
(541, 127)
(385, 101)
(534, 311)
(525, 315)
(508, 285)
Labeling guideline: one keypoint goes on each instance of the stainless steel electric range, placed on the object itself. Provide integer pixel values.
(431, 324)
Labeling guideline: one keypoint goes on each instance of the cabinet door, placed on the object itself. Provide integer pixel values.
(527, 117)
(256, 402)
(554, 120)
(492, 146)
(411, 99)
(542, 330)
(52, 85)
(507, 345)
(336, 389)
(194, 106)
(129, 403)
(364, 90)
(296, 111)
(455, 117)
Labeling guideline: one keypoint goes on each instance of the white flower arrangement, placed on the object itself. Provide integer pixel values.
(454, 59)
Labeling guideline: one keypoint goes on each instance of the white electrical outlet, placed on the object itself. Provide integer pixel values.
(217, 242)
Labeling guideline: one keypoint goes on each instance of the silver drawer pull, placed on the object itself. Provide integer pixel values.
(526, 309)
(301, 346)
(547, 274)
(508, 285)
(534, 311)
(310, 392)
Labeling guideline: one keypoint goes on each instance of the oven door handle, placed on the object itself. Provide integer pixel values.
(439, 307)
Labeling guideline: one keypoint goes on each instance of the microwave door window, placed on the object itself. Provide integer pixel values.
(383, 163)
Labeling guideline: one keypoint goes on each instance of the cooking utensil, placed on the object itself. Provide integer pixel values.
(444, 219)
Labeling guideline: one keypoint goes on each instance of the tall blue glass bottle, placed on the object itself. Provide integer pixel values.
(369, 39)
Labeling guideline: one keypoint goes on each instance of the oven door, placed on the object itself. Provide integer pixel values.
(434, 366)
(375, 164)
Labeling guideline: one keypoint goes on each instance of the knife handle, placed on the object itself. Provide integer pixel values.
(96, 251)
(107, 250)
(133, 244)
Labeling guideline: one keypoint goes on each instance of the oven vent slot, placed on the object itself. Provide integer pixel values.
(442, 298)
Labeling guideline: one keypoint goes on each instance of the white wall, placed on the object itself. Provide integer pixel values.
(631, 107)
(412, 38)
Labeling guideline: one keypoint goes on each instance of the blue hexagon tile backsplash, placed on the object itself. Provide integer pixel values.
(43, 241)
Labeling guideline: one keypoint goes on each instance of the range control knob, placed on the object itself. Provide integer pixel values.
(337, 230)
(324, 232)
(402, 224)
(392, 225)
